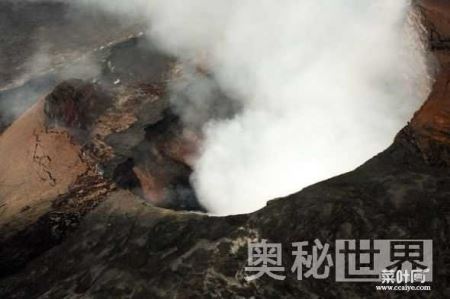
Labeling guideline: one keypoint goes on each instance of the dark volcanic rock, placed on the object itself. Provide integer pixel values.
(128, 249)
(3, 123)
(132, 135)
(45, 42)
(51, 228)
(36, 36)
(75, 104)
(42, 163)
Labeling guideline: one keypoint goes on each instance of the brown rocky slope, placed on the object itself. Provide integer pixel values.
(128, 248)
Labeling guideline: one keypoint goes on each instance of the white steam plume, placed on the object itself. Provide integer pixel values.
(324, 86)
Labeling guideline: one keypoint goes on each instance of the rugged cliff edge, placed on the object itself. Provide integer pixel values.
(99, 236)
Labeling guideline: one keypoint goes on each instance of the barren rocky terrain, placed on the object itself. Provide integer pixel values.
(85, 210)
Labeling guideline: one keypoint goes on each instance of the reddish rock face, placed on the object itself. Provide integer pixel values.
(44, 171)
(149, 155)
(75, 104)
(36, 165)
(431, 124)
(437, 21)
(165, 168)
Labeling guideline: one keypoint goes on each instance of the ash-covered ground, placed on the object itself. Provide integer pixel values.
(95, 193)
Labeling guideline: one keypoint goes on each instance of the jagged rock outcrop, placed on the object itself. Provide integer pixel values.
(84, 139)
(46, 42)
(126, 247)
(431, 124)
(130, 249)
(75, 104)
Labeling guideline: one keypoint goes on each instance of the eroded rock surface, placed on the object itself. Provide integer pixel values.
(129, 249)
(84, 139)
(103, 241)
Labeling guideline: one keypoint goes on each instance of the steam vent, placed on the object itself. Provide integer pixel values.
(222, 149)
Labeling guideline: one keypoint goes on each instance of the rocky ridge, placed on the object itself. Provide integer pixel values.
(126, 247)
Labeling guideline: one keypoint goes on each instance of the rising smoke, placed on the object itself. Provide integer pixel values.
(323, 86)
(38, 52)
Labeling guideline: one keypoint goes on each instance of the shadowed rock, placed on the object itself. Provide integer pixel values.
(75, 104)
(128, 248)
